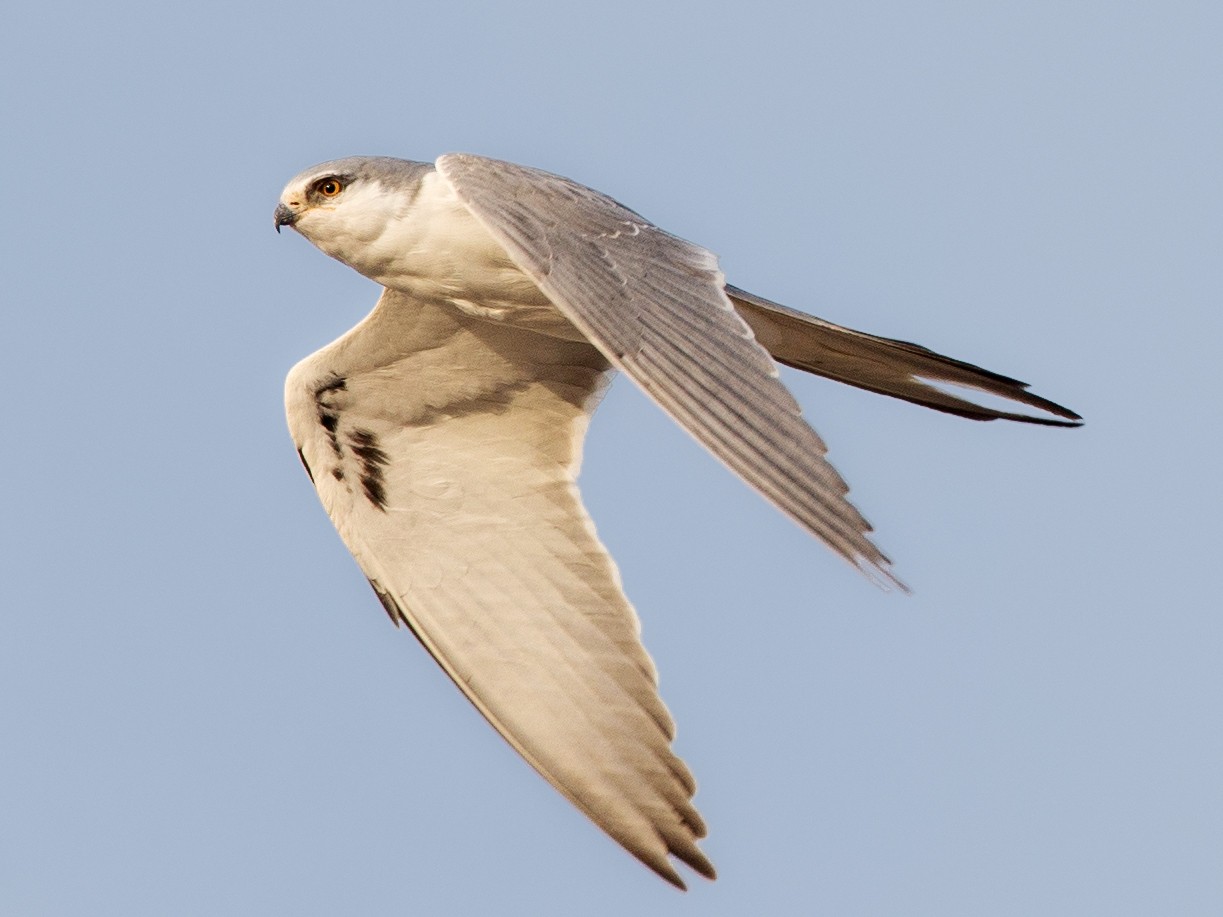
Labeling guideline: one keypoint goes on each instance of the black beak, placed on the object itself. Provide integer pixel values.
(284, 216)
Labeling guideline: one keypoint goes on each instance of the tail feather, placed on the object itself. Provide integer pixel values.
(886, 366)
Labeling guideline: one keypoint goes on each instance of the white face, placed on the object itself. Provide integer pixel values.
(341, 214)
(401, 225)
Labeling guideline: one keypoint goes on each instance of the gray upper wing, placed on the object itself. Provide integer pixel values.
(655, 305)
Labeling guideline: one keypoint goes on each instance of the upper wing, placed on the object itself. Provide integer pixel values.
(445, 450)
(655, 306)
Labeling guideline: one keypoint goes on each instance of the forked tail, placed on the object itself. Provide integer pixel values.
(886, 366)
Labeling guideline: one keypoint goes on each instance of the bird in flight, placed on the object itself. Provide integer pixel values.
(444, 435)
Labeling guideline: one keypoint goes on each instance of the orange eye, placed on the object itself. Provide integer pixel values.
(329, 187)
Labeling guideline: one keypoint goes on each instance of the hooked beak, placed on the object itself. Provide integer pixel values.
(284, 216)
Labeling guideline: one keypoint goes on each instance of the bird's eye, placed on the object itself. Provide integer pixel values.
(329, 187)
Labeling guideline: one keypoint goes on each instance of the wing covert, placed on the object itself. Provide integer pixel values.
(655, 305)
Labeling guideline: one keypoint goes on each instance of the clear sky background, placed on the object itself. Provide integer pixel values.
(203, 709)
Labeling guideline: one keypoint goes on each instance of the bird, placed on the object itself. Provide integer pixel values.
(444, 436)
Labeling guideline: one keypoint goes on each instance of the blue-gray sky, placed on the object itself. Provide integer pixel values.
(203, 708)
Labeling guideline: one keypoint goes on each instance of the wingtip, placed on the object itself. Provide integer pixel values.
(697, 861)
(676, 842)
(881, 575)
(694, 857)
(669, 873)
(704, 868)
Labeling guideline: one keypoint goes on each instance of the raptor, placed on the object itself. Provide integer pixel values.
(444, 435)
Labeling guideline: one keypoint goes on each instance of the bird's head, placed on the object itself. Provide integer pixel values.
(344, 206)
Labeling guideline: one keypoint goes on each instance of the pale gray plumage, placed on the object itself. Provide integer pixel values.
(444, 432)
(655, 305)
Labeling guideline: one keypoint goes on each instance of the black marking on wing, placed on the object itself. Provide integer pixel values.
(329, 417)
(364, 445)
(306, 465)
(391, 607)
(338, 384)
(388, 603)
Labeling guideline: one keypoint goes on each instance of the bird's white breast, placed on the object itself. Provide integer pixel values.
(430, 246)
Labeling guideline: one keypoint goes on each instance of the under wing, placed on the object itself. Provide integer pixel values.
(446, 449)
(656, 306)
